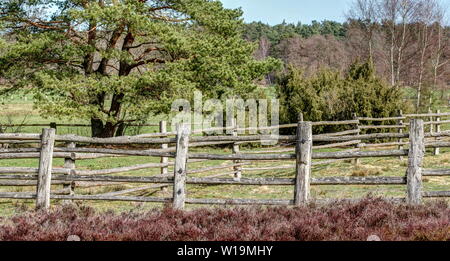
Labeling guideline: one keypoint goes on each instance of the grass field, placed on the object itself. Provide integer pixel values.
(19, 110)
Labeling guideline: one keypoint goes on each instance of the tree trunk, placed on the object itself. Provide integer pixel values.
(370, 50)
(400, 51)
(110, 129)
(120, 129)
(100, 130)
(96, 127)
(422, 65)
(392, 59)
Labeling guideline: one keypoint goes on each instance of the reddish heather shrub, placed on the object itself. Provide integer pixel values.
(336, 221)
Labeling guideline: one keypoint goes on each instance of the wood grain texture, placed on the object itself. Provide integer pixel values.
(29, 183)
(359, 181)
(415, 158)
(436, 172)
(45, 169)
(179, 185)
(373, 136)
(436, 194)
(204, 201)
(242, 181)
(358, 154)
(303, 163)
(20, 136)
(241, 156)
(111, 198)
(341, 133)
(382, 119)
(338, 145)
(25, 170)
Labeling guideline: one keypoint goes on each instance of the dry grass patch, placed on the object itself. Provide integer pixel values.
(366, 171)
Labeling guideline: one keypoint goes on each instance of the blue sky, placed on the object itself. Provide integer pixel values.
(293, 11)
(274, 11)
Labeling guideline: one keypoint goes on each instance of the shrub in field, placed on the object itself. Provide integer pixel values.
(336, 221)
(328, 95)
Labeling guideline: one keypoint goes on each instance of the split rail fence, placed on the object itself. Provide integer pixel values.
(434, 121)
(44, 176)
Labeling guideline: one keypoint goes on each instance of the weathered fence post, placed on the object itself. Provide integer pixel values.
(69, 163)
(415, 157)
(237, 169)
(300, 117)
(45, 169)
(355, 117)
(164, 160)
(400, 131)
(438, 129)
(179, 183)
(303, 152)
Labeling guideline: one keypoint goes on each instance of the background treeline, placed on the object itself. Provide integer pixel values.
(407, 41)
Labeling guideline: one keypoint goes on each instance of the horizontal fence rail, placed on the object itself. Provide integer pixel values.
(358, 121)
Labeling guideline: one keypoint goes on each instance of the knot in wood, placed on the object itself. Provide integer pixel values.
(180, 171)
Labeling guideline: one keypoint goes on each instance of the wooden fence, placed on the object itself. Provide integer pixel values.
(360, 124)
(44, 175)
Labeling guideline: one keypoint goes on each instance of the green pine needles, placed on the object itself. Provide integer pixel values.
(117, 61)
(328, 95)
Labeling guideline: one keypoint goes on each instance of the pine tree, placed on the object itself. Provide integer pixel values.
(116, 61)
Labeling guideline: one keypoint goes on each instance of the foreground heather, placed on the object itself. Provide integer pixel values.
(337, 221)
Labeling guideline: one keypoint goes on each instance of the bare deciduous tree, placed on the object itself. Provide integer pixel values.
(365, 14)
